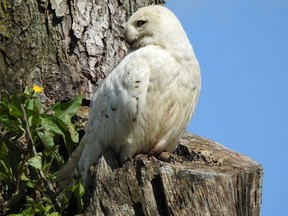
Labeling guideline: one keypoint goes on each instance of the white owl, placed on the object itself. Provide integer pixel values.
(146, 102)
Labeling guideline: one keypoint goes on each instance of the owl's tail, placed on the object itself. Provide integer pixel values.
(77, 167)
(66, 174)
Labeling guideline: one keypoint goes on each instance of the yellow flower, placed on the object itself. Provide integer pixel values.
(37, 89)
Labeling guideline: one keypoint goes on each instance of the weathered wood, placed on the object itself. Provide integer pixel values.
(202, 178)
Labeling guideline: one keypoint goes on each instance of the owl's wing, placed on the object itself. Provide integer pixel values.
(142, 106)
(114, 108)
(116, 105)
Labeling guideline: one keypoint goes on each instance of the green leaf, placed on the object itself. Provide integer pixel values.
(47, 138)
(46, 166)
(16, 197)
(15, 107)
(79, 192)
(11, 124)
(10, 162)
(5, 99)
(35, 162)
(33, 119)
(48, 111)
(69, 142)
(32, 109)
(3, 152)
(30, 104)
(47, 129)
(4, 108)
(37, 104)
(65, 111)
(6, 172)
(34, 104)
(73, 132)
(48, 122)
(53, 214)
(23, 177)
(30, 184)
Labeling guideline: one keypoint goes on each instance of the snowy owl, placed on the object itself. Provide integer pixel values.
(144, 104)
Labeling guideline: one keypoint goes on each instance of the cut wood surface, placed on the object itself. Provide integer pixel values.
(202, 177)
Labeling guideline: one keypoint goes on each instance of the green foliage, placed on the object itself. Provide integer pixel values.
(76, 192)
(31, 154)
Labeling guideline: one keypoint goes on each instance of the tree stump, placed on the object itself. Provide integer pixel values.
(201, 177)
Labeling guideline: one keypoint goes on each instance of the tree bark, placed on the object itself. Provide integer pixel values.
(66, 46)
(202, 178)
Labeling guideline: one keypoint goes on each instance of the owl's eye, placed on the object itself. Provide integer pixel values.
(141, 22)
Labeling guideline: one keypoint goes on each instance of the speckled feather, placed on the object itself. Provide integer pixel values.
(146, 102)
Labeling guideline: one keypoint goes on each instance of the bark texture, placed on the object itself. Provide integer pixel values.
(201, 178)
(66, 46)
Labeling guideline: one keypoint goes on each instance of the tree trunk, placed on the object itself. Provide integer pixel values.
(202, 178)
(65, 46)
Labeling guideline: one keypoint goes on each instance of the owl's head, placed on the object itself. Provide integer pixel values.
(154, 25)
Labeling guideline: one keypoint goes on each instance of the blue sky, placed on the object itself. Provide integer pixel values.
(242, 47)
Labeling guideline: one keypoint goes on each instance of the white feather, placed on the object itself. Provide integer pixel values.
(146, 102)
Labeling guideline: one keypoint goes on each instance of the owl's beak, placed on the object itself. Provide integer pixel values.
(128, 38)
